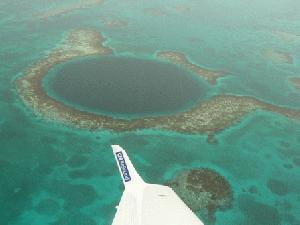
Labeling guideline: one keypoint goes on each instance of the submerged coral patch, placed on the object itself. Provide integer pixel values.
(257, 212)
(77, 161)
(295, 81)
(203, 190)
(296, 161)
(74, 195)
(47, 207)
(76, 218)
(277, 56)
(85, 174)
(52, 12)
(277, 187)
(182, 60)
(114, 23)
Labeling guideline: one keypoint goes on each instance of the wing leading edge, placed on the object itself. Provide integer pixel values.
(148, 204)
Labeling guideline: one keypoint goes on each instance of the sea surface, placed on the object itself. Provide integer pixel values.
(58, 175)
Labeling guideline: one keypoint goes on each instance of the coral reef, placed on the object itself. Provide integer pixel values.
(286, 36)
(77, 160)
(48, 207)
(114, 23)
(156, 11)
(277, 187)
(203, 190)
(295, 81)
(210, 116)
(59, 11)
(257, 212)
(180, 59)
(277, 56)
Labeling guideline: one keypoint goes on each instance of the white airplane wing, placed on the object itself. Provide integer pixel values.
(148, 204)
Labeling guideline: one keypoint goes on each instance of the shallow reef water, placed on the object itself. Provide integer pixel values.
(55, 174)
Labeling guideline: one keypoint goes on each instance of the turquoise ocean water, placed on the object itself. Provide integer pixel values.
(54, 174)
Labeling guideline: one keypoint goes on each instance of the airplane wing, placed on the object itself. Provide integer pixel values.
(148, 204)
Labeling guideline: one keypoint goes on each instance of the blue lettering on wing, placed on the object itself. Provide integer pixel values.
(123, 166)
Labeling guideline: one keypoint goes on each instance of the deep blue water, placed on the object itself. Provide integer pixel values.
(125, 86)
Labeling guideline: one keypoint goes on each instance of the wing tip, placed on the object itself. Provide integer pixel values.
(116, 148)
